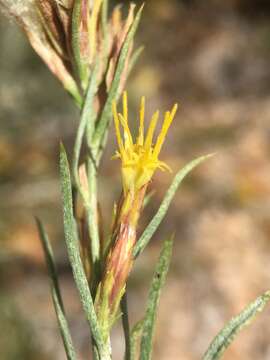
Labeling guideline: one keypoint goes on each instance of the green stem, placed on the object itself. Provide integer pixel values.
(106, 351)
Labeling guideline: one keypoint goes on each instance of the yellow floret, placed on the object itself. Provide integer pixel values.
(140, 158)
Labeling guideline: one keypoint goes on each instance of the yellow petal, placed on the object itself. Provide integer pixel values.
(151, 129)
(127, 133)
(169, 116)
(141, 127)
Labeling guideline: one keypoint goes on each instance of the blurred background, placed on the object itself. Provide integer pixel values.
(213, 58)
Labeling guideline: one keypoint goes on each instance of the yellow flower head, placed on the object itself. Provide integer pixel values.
(139, 158)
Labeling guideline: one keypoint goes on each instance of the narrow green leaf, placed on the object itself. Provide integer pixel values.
(134, 59)
(73, 250)
(155, 222)
(72, 88)
(56, 294)
(75, 40)
(234, 326)
(107, 110)
(87, 119)
(134, 338)
(153, 300)
(125, 325)
(92, 213)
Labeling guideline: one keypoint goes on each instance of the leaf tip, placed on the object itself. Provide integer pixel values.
(62, 147)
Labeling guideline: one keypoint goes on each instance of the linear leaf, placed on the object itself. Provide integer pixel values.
(87, 119)
(153, 300)
(56, 294)
(106, 113)
(92, 214)
(75, 40)
(134, 59)
(134, 337)
(73, 250)
(72, 88)
(234, 326)
(155, 222)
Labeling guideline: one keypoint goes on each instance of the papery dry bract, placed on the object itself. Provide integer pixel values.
(68, 47)
(27, 15)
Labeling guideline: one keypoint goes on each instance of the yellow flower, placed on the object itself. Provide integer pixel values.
(139, 158)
